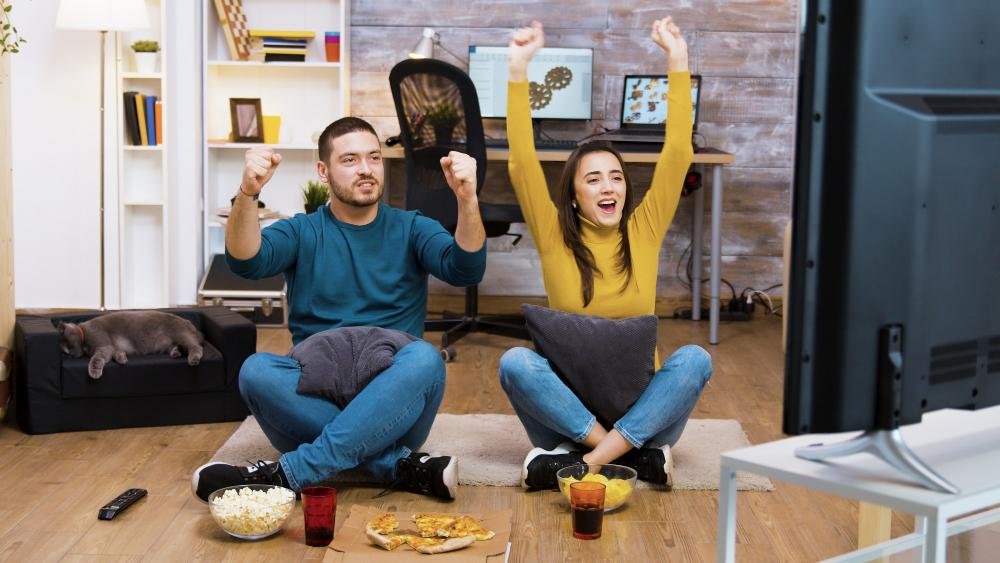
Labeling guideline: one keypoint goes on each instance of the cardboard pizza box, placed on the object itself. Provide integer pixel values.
(351, 545)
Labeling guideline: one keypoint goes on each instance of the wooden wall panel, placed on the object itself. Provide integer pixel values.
(726, 15)
(744, 49)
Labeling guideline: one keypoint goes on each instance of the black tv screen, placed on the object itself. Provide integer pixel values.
(894, 299)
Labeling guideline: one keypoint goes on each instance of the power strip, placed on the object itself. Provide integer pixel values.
(724, 314)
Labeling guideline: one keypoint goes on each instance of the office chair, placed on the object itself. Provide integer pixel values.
(438, 112)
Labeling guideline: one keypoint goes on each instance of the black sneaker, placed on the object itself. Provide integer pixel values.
(215, 475)
(655, 465)
(426, 475)
(540, 466)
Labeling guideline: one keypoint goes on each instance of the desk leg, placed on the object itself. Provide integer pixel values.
(874, 526)
(936, 538)
(716, 274)
(726, 540)
(698, 228)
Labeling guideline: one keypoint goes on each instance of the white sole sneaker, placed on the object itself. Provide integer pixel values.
(563, 448)
(450, 477)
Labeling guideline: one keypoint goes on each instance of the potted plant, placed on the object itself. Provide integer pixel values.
(145, 55)
(315, 195)
(443, 117)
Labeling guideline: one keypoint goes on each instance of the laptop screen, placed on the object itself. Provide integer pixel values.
(644, 101)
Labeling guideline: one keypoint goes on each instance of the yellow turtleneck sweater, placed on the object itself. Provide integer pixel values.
(646, 226)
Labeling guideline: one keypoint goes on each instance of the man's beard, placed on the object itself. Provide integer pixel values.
(347, 195)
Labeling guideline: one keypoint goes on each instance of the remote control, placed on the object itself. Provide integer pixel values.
(120, 503)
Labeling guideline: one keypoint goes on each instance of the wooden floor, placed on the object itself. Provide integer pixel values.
(52, 485)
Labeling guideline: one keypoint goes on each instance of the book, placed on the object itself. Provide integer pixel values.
(150, 102)
(234, 27)
(260, 42)
(279, 57)
(131, 118)
(282, 33)
(140, 109)
(264, 54)
(283, 51)
(159, 121)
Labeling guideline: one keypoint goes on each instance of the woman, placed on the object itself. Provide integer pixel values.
(599, 257)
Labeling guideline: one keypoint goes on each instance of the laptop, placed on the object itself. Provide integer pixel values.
(644, 109)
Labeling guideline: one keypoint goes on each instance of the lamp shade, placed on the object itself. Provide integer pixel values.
(102, 15)
(425, 47)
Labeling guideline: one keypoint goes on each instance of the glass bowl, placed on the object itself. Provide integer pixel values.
(619, 480)
(251, 512)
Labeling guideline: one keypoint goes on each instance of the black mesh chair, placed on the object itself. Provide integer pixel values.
(438, 112)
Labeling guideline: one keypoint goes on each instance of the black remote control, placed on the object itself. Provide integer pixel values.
(120, 503)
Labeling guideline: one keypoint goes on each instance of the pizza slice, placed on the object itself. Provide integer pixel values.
(467, 526)
(438, 545)
(431, 524)
(379, 531)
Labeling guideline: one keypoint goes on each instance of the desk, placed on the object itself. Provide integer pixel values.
(963, 446)
(713, 160)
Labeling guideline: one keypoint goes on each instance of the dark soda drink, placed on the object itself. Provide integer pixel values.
(587, 520)
(319, 537)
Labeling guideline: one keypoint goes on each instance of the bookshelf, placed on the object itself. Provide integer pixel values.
(307, 96)
(143, 180)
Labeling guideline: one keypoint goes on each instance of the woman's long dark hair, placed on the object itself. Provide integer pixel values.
(569, 220)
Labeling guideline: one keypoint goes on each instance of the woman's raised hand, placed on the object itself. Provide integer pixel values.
(524, 43)
(668, 36)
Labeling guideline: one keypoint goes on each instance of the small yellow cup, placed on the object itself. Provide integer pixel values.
(272, 126)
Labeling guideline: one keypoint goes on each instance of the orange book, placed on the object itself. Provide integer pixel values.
(159, 122)
(140, 109)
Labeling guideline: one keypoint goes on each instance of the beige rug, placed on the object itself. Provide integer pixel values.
(491, 447)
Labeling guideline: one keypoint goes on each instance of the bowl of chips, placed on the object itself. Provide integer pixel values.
(251, 512)
(619, 481)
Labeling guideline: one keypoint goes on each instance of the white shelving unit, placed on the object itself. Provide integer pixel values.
(143, 181)
(306, 95)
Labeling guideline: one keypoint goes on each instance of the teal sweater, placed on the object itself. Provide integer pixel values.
(370, 275)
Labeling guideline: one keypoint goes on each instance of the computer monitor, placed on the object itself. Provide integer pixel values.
(560, 81)
(895, 266)
(644, 101)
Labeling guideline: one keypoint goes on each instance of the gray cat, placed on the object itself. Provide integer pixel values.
(113, 335)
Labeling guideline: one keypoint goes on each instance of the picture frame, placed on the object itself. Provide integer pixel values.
(247, 120)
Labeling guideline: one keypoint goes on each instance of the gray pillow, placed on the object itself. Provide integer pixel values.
(606, 362)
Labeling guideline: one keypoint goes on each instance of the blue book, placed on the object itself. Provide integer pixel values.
(151, 123)
(279, 42)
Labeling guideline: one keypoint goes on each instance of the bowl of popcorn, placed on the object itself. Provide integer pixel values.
(619, 481)
(251, 512)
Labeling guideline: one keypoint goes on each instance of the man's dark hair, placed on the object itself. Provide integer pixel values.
(342, 126)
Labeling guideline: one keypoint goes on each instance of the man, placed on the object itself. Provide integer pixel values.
(354, 263)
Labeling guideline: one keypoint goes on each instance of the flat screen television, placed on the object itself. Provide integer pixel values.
(561, 81)
(894, 298)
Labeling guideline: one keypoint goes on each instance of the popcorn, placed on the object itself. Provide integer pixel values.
(252, 512)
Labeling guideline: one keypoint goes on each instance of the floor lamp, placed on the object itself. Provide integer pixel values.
(102, 16)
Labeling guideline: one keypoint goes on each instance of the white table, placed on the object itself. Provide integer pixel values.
(963, 446)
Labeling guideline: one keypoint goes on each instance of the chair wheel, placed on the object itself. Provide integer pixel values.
(448, 353)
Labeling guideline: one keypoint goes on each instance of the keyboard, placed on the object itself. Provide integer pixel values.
(540, 144)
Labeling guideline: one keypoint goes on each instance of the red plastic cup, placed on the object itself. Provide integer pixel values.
(319, 508)
(587, 501)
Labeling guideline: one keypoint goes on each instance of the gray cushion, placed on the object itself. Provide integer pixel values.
(607, 362)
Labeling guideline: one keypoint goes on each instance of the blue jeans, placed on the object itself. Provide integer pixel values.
(389, 419)
(551, 413)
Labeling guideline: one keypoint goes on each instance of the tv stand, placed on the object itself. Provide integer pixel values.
(884, 440)
(887, 445)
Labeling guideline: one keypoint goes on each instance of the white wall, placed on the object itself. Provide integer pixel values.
(55, 149)
(54, 154)
(185, 198)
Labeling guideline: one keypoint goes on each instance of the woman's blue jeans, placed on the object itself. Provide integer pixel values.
(389, 419)
(551, 413)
